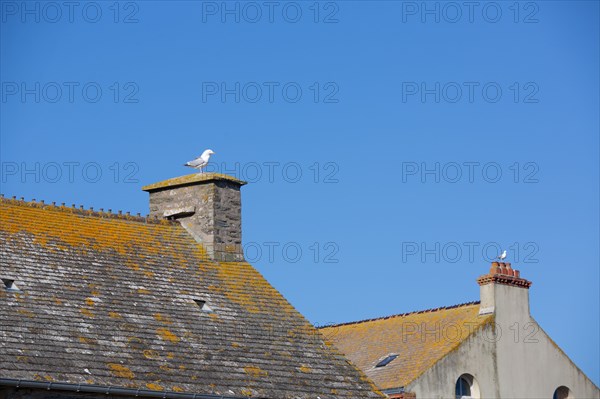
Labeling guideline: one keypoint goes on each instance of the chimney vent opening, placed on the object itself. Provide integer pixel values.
(202, 305)
(9, 285)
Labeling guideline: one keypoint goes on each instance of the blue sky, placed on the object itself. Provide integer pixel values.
(392, 147)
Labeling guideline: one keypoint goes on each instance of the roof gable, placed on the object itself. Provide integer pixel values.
(419, 339)
(110, 300)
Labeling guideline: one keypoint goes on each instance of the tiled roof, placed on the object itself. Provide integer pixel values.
(420, 339)
(110, 300)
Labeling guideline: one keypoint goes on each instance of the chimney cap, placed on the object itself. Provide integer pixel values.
(503, 273)
(188, 180)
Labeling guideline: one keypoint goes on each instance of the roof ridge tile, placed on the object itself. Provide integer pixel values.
(431, 310)
(85, 212)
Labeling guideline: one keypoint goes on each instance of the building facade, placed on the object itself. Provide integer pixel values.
(487, 349)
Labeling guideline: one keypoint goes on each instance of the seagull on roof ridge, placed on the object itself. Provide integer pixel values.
(200, 162)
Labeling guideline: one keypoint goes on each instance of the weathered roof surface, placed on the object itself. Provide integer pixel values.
(420, 339)
(191, 179)
(109, 300)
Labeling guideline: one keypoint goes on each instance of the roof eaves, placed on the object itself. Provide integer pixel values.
(59, 386)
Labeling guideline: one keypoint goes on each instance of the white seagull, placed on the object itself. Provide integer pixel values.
(200, 162)
(503, 256)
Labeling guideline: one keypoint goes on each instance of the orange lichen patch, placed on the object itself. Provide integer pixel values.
(235, 345)
(213, 316)
(114, 315)
(90, 302)
(175, 388)
(151, 354)
(420, 339)
(26, 312)
(246, 392)
(170, 355)
(167, 335)
(23, 359)
(163, 319)
(165, 368)
(132, 265)
(255, 372)
(119, 370)
(57, 301)
(148, 274)
(154, 387)
(48, 378)
(242, 284)
(215, 288)
(305, 369)
(143, 291)
(86, 312)
(85, 340)
(79, 231)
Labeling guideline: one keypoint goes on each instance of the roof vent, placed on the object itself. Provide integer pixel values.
(386, 361)
(9, 285)
(203, 306)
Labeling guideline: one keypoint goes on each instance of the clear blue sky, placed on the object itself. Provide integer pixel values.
(389, 90)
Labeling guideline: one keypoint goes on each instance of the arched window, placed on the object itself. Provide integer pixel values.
(563, 392)
(467, 387)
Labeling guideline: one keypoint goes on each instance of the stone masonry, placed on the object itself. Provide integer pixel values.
(208, 206)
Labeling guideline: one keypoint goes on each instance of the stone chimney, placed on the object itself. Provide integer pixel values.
(208, 206)
(503, 290)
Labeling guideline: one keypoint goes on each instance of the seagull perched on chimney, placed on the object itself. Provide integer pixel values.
(200, 162)
(503, 255)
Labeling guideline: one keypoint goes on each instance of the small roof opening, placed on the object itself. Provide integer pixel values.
(9, 285)
(386, 361)
(203, 306)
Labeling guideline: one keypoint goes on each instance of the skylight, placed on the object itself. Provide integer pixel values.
(385, 361)
(203, 306)
(10, 285)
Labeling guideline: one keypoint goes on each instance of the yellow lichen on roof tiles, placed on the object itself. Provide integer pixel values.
(119, 370)
(420, 339)
(154, 387)
(163, 319)
(167, 335)
(243, 284)
(255, 371)
(55, 227)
